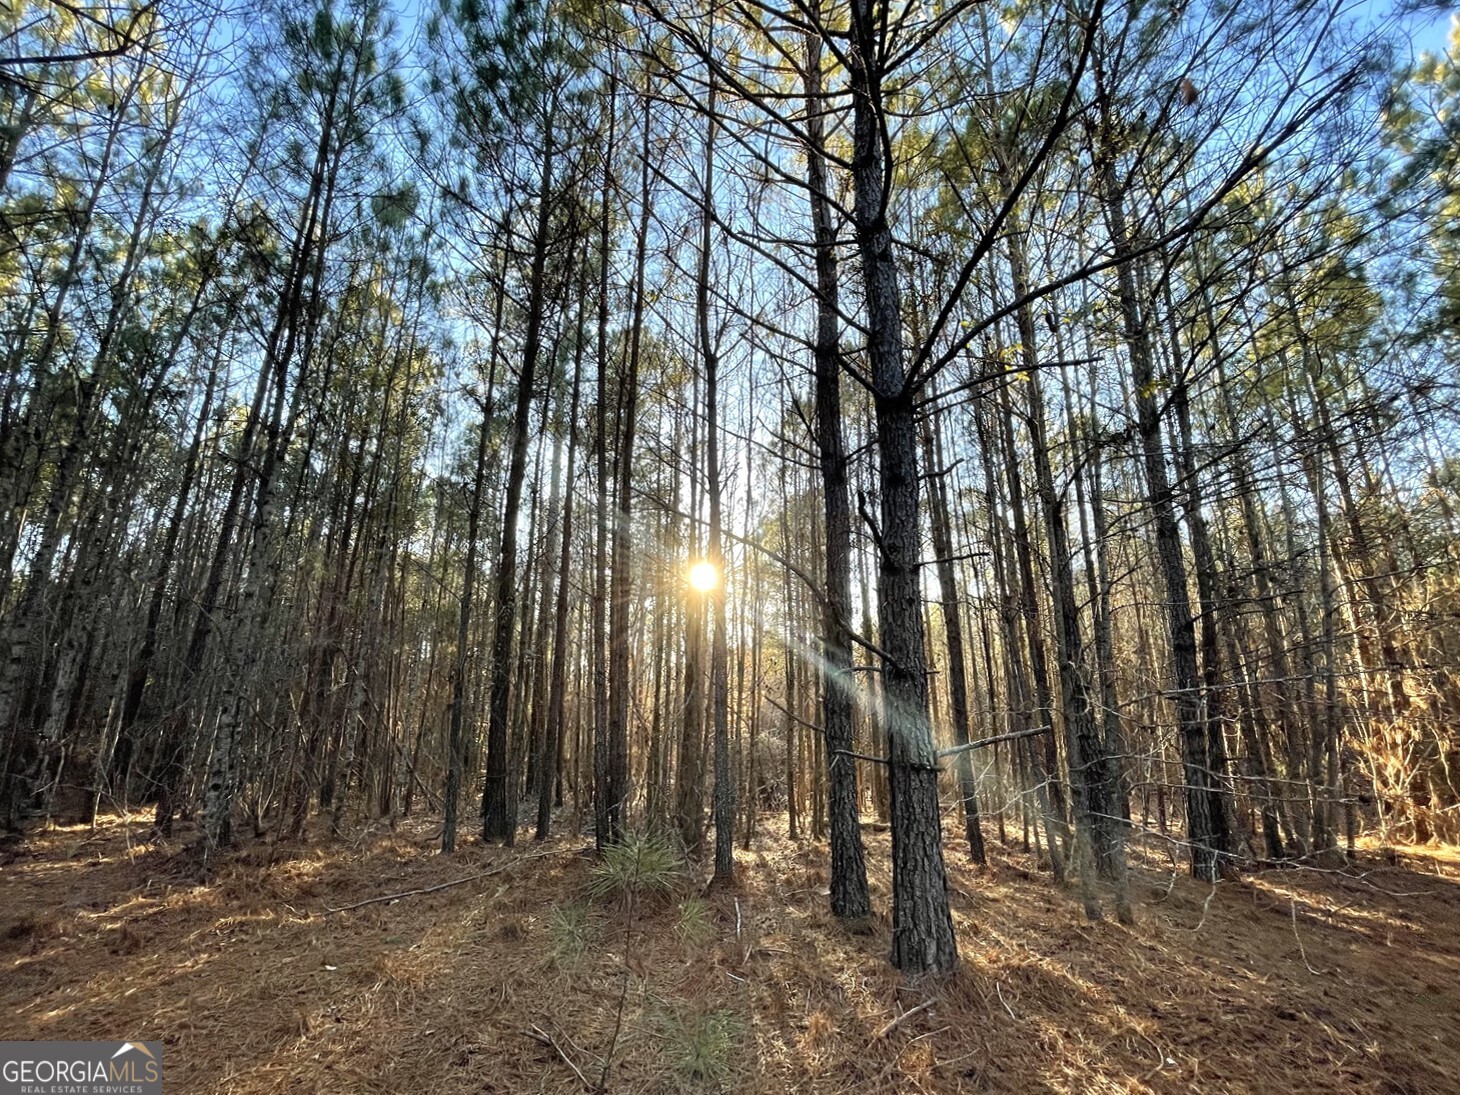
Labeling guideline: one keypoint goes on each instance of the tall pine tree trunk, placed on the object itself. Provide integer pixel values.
(922, 928)
(849, 897)
(498, 823)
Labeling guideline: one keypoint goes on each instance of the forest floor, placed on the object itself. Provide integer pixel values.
(516, 981)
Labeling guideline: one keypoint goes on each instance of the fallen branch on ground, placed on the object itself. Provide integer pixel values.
(537, 1034)
(905, 1016)
(998, 991)
(440, 886)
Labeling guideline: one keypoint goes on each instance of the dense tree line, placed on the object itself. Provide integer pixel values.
(1057, 398)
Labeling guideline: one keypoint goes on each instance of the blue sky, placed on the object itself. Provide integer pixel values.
(1427, 30)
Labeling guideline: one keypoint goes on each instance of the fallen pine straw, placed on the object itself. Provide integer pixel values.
(439, 886)
(466, 990)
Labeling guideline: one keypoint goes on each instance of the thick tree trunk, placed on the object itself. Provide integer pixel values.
(922, 929)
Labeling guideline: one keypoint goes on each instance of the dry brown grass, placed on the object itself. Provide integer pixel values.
(1293, 980)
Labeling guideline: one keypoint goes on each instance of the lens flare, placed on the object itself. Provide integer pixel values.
(703, 577)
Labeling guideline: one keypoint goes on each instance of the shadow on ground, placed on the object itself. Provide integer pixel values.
(517, 982)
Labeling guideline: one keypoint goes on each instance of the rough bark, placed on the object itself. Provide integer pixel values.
(849, 897)
(922, 929)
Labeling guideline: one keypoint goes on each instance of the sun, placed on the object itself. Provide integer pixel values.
(703, 577)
